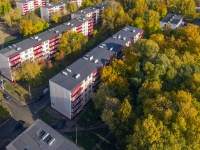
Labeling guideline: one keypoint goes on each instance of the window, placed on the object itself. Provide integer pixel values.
(86, 90)
(86, 95)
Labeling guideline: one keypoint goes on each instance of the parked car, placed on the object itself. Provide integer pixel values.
(45, 91)
(61, 123)
(19, 124)
(6, 96)
(39, 97)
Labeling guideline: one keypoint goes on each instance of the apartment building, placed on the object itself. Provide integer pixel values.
(94, 12)
(174, 20)
(71, 89)
(40, 46)
(46, 11)
(40, 136)
(30, 5)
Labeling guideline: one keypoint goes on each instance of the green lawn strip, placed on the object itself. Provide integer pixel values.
(90, 117)
(19, 92)
(44, 116)
(88, 139)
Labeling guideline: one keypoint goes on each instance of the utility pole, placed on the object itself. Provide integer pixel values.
(29, 89)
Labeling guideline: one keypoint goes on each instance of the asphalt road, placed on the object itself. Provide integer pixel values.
(25, 113)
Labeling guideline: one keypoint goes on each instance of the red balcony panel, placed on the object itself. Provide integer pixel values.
(14, 58)
(37, 47)
(35, 54)
(76, 92)
(95, 75)
(41, 56)
(76, 88)
(77, 103)
(13, 66)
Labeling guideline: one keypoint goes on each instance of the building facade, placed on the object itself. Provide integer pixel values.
(94, 12)
(40, 46)
(71, 89)
(46, 11)
(174, 20)
(30, 5)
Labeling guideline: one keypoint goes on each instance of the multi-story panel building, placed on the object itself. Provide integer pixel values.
(30, 5)
(40, 46)
(46, 11)
(71, 89)
(175, 21)
(94, 12)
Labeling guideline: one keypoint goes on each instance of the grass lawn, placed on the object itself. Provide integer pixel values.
(88, 139)
(46, 117)
(13, 39)
(18, 91)
(90, 117)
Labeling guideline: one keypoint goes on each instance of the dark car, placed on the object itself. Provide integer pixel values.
(19, 125)
(6, 96)
(61, 123)
(39, 97)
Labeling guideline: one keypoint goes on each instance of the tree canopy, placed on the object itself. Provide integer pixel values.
(32, 24)
(5, 7)
(153, 95)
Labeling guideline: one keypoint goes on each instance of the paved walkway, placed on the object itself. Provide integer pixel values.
(93, 127)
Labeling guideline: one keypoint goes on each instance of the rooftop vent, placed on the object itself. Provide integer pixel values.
(36, 37)
(86, 57)
(68, 70)
(31, 37)
(19, 48)
(39, 39)
(51, 141)
(65, 23)
(124, 38)
(57, 31)
(126, 29)
(133, 30)
(49, 29)
(103, 44)
(48, 138)
(10, 47)
(111, 49)
(45, 135)
(114, 36)
(68, 23)
(81, 11)
(83, 19)
(40, 133)
(64, 72)
(14, 45)
(119, 36)
(96, 61)
(53, 29)
(72, 24)
(77, 76)
(91, 57)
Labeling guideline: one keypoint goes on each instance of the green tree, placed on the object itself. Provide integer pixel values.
(30, 71)
(161, 8)
(71, 42)
(71, 7)
(5, 7)
(186, 8)
(13, 17)
(4, 112)
(114, 18)
(56, 16)
(32, 24)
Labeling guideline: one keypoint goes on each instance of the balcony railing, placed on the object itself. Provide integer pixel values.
(74, 110)
(76, 92)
